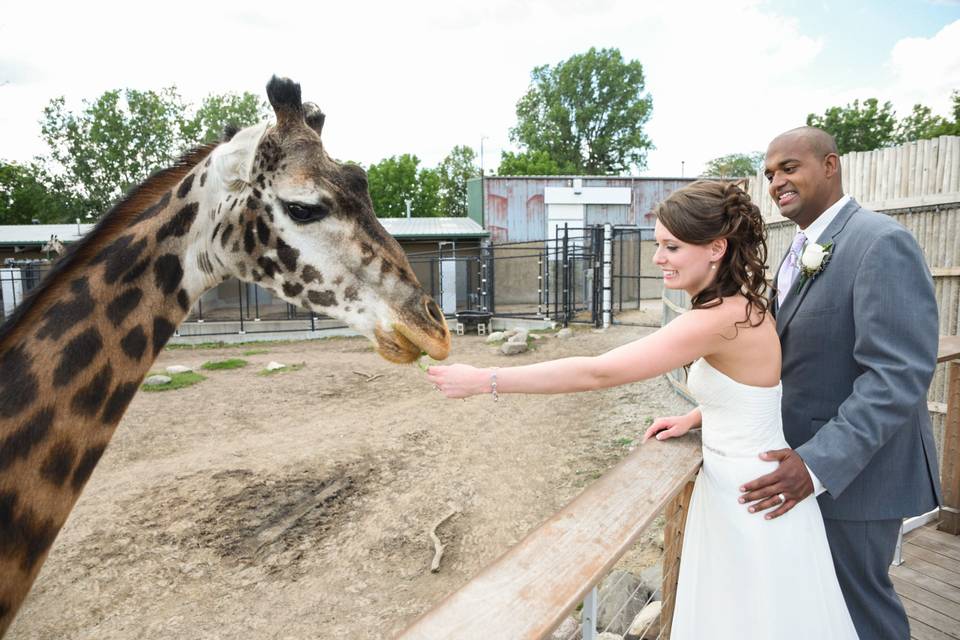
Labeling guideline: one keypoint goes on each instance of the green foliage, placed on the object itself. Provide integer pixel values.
(115, 142)
(871, 126)
(395, 179)
(532, 163)
(255, 352)
(856, 127)
(28, 192)
(217, 112)
(454, 171)
(216, 365)
(177, 381)
(119, 139)
(734, 165)
(587, 113)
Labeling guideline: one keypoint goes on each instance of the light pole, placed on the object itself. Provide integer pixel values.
(482, 138)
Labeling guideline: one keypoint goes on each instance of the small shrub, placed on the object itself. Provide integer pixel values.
(216, 365)
(177, 381)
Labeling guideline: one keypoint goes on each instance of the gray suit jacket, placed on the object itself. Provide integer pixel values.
(859, 350)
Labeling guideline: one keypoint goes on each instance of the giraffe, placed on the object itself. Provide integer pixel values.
(53, 245)
(267, 205)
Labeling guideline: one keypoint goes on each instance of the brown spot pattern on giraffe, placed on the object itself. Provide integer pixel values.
(118, 402)
(19, 444)
(162, 330)
(23, 535)
(288, 255)
(119, 257)
(185, 186)
(325, 298)
(292, 289)
(89, 399)
(63, 315)
(134, 343)
(180, 223)
(86, 465)
(123, 305)
(77, 356)
(310, 274)
(168, 273)
(59, 463)
(18, 384)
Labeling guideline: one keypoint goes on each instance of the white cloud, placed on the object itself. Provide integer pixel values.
(926, 70)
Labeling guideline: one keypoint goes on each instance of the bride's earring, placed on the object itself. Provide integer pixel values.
(713, 265)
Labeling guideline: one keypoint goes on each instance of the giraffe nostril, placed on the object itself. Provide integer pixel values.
(433, 311)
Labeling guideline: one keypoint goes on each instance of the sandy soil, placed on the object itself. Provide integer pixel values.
(297, 505)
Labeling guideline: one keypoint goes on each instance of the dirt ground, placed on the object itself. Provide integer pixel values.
(298, 505)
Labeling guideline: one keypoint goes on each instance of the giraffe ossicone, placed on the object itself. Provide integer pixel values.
(269, 206)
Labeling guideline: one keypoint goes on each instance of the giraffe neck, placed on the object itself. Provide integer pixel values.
(74, 356)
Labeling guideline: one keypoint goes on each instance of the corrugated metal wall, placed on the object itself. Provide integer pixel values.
(514, 210)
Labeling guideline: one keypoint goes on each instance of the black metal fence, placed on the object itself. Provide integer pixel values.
(559, 279)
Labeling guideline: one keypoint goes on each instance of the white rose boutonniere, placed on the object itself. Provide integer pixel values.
(813, 261)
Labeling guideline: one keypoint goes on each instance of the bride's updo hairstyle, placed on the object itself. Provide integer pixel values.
(705, 211)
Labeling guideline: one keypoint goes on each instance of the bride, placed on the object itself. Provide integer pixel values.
(740, 576)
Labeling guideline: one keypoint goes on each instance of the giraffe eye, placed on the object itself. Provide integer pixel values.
(306, 212)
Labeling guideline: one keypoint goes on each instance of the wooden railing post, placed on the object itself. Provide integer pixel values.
(676, 519)
(950, 468)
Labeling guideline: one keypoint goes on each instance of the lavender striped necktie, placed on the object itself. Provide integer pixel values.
(790, 268)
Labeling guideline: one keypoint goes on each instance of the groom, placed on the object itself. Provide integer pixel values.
(858, 330)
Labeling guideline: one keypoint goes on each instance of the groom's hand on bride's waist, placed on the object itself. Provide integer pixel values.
(780, 490)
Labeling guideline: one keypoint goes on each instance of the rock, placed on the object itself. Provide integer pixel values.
(646, 626)
(519, 336)
(178, 368)
(606, 635)
(565, 333)
(652, 578)
(537, 336)
(512, 348)
(496, 336)
(567, 629)
(157, 380)
(509, 333)
(273, 366)
(621, 597)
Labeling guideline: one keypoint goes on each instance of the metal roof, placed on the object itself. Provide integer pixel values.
(38, 234)
(433, 228)
(28, 234)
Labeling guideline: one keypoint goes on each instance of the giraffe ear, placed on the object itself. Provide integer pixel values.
(235, 158)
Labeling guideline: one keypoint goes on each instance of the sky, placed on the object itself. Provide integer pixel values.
(423, 76)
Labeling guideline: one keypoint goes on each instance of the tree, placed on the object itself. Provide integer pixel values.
(119, 139)
(921, 124)
(396, 179)
(28, 193)
(454, 171)
(587, 113)
(858, 128)
(532, 163)
(218, 111)
(734, 165)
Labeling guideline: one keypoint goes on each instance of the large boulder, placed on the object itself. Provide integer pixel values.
(567, 629)
(509, 348)
(496, 336)
(178, 368)
(621, 597)
(157, 380)
(646, 626)
(519, 336)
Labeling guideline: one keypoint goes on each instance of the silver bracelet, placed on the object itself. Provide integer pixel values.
(493, 385)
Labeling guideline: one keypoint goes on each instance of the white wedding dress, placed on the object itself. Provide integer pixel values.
(742, 576)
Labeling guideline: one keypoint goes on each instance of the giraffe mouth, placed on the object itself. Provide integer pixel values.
(404, 345)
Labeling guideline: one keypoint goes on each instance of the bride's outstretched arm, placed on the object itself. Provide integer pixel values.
(692, 335)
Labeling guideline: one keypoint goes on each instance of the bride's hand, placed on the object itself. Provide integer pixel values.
(669, 427)
(459, 380)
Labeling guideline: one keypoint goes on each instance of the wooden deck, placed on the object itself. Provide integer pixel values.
(928, 582)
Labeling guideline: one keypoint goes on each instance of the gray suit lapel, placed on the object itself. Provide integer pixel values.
(795, 298)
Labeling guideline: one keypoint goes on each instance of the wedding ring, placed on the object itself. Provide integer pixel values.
(783, 498)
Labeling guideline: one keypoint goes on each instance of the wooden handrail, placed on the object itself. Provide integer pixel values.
(949, 351)
(529, 590)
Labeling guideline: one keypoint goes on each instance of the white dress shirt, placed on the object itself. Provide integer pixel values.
(813, 232)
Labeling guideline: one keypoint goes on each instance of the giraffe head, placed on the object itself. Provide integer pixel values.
(298, 223)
